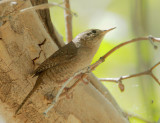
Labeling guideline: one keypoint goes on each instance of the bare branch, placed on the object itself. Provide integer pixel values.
(42, 6)
(154, 66)
(116, 80)
(68, 21)
(147, 72)
(37, 7)
(102, 59)
(93, 66)
(155, 78)
(150, 39)
(84, 70)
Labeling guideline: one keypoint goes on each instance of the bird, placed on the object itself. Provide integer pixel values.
(69, 59)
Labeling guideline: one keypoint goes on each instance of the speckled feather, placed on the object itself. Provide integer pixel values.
(69, 59)
(61, 56)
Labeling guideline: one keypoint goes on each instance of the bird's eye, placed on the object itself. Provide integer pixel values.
(93, 31)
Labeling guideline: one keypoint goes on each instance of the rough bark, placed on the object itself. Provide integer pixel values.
(26, 40)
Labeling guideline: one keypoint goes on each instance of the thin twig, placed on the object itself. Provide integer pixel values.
(45, 6)
(102, 59)
(154, 66)
(147, 72)
(150, 39)
(68, 21)
(116, 80)
(93, 66)
(70, 89)
(84, 70)
(42, 6)
(119, 80)
(155, 78)
(57, 96)
(37, 7)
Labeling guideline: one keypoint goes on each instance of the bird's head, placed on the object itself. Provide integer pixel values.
(91, 37)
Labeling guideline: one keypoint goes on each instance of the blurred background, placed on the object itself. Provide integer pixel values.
(133, 18)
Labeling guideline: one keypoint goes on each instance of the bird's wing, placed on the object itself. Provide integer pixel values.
(61, 56)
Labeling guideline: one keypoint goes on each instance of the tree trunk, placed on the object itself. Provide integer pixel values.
(26, 40)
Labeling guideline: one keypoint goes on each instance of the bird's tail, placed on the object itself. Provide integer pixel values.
(37, 84)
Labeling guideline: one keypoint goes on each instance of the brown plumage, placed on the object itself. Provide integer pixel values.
(62, 56)
(69, 59)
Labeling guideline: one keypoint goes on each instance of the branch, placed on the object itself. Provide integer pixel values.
(119, 80)
(102, 59)
(84, 70)
(68, 21)
(37, 7)
(90, 68)
(45, 6)
(147, 72)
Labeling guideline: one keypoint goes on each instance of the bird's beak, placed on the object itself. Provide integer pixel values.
(105, 31)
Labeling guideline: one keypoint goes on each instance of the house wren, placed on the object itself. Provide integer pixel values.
(69, 59)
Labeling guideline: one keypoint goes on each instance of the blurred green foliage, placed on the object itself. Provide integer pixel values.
(132, 18)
